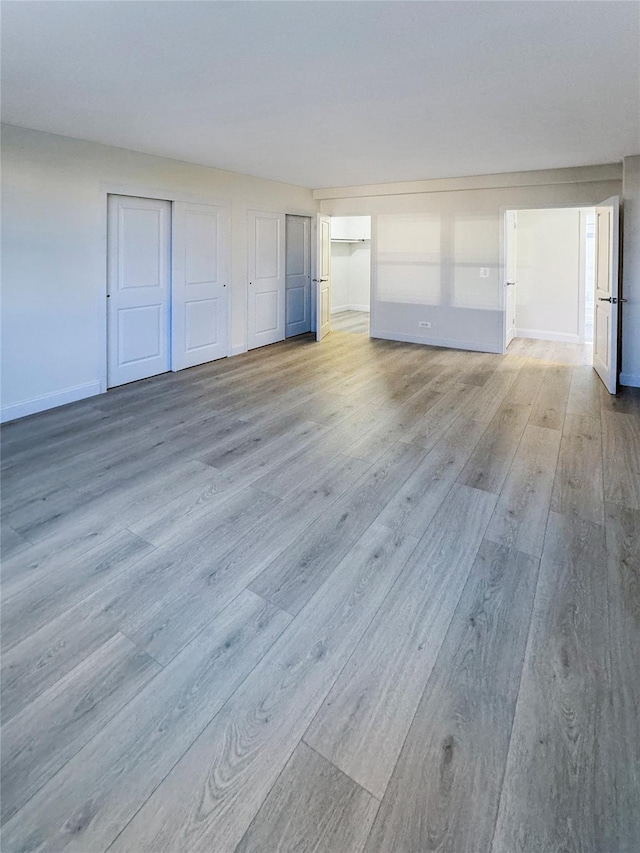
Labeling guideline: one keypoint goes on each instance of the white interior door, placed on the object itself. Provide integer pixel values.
(605, 320)
(511, 241)
(200, 264)
(138, 288)
(266, 309)
(298, 275)
(323, 281)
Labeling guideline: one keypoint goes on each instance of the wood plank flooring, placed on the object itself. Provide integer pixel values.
(351, 597)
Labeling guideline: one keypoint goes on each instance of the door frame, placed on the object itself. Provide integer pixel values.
(144, 191)
(286, 211)
(502, 269)
(373, 221)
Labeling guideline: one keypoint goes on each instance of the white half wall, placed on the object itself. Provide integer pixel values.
(548, 274)
(450, 273)
(54, 254)
(630, 372)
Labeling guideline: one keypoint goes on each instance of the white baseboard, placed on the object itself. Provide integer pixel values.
(340, 308)
(631, 380)
(49, 401)
(238, 349)
(538, 335)
(433, 342)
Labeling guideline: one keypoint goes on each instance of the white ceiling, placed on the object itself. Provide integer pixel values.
(333, 93)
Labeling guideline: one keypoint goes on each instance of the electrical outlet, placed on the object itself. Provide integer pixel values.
(484, 272)
(424, 324)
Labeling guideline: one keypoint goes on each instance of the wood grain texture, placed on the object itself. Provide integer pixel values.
(38, 742)
(444, 792)
(578, 485)
(490, 461)
(551, 403)
(94, 795)
(484, 405)
(298, 571)
(586, 397)
(59, 585)
(623, 552)
(201, 511)
(320, 496)
(621, 450)
(364, 720)
(12, 543)
(214, 792)
(451, 403)
(556, 793)
(417, 501)
(312, 808)
(521, 513)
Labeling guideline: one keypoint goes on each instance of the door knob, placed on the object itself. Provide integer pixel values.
(611, 299)
(511, 284)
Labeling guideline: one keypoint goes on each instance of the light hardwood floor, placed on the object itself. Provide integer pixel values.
(351, 321)
(340, 597)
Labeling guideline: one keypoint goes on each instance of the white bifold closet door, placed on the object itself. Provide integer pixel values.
(266, 267)
(200, 284)
(138, 288)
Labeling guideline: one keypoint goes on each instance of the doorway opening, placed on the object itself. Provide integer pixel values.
(351, 273)
(550, 266)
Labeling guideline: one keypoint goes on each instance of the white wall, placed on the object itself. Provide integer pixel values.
(630, 374)
(350, 276)
(340, 268)
(350, 263)
(360, 276)
(54, 254)
(548, 274)
(461, 222)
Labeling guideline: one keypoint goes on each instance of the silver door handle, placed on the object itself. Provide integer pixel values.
(321, 279)
(611, 299)
(511, 284)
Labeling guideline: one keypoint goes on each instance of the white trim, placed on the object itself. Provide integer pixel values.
(547, 177)
(541, 335)
(631, 380)
(339, 309)
(49, 401)
(433, 342)
(361, 309)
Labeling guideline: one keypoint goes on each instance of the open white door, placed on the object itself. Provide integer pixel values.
(511, 247)
(605, 320)
(323, 281)
(266, 249)
(138, 288)
(200, 249)
(298, 275)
